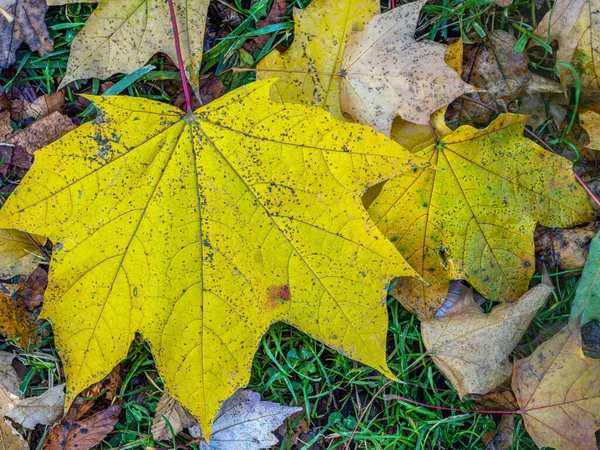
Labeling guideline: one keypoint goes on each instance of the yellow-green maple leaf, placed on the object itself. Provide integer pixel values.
(200, 231)
(122, 35)
(309, 70)
(473, 216)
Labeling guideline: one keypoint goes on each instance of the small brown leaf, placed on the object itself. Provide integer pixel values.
(278, 10)
(43, 132)
(564, 248)
(503, 438)
(472, 348)
(558, 389)
(75, 433)
(14, 321)
(39, 108)
(32, 291)
(27, 27)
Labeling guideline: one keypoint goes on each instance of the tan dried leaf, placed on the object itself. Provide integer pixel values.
(44, 409)
(472, 348)
(10, 439)
(170, 410)
(387, 73)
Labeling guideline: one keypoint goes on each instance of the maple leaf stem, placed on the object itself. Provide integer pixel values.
(444, 408)
(544, 144)
(184, 80)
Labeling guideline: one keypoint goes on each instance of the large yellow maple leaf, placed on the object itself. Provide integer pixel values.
(473, 216)
(199, 231)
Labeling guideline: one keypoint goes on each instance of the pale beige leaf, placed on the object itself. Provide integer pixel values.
(387, 73)
(8, 376)
(10, 439)
(472, 348)
(170, 410)
(44, 409)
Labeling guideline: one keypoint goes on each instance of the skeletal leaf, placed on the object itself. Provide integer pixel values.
(558, 390)
(10, 439)
(386, 73)
(472, 348)
(246, 423)
(587, 296)
(19, 254)
(575, 24)
(200, 231)
(473, 217)
(27, 27)
(122, 35)
(308, 72)
(44, 409)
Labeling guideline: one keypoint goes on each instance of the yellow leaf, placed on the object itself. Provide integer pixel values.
(309, 70)
(200, 231)
(388, 74)
(473, 217)
(575, 24)
(459, 342)
(19, 254)
(558, 390)
(121, 36)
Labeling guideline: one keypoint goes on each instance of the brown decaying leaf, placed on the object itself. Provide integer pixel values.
(10, 439)
(14, 321)
(42, 106)
(278, 10)
(31, 293)
(500, 400)
(27, 27)
(558, 390)
(45, 409)
(169, 409)
(41, 133)
(76, 433)
(387, 73)
(565, 248)
(472, 348)
(491, 65)
(503, 438)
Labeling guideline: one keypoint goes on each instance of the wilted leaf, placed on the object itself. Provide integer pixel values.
(576, 26)
(587, 296)
(121, 36)
(473, 217)
(564, 248)
(18, 253)
(219, 224)
(308, 72)
(558, 389)
(386, 73)
(44, 409)
(170, 411)
(471, 348)
(10, 439)
(42, 132)
(14, 321)
(76, 433)
(27, 27)
(31, 294)
(246, 423)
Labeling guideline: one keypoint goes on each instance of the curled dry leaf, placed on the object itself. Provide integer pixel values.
(27, 27)
(471, 348)
(254, 204)
(308, 72)
(575, 24)
(44, 409)
(564, 248)
(121, 36)
(386, 73)
(474, 217)
(587, 296)
(558, 389)
(19, 254)
(170, 411)
(31, 294)
(10, 439)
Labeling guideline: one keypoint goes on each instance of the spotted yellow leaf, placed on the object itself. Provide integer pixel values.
(309, 71)
(199, 231)
(122, 35)
(473, 216)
